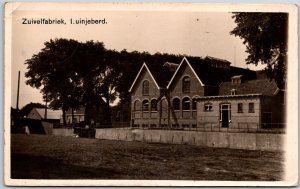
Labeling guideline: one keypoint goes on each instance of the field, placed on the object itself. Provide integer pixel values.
(56, 157)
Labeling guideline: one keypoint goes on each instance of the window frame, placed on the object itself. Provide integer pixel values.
(194, 104)
(251, 107)
(240, 108)
(186, 84)
(177, 106)
(136, 105)
(153, 108)
(145, 89)
(210, 107)
(233, 92)
(145, 102)
(185, 101)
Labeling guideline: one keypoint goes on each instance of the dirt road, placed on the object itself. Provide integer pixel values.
(55, 157)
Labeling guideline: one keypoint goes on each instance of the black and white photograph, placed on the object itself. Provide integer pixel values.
(150, 94)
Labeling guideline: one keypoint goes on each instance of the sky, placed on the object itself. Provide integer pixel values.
(190, 32)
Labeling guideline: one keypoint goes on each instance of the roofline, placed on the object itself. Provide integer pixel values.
(220, 59)
(231, 96)
(75, 114)
(211, 85)
(171, 63)
(47, 109)
(144, 65)
(184, 58)
(137, 77)
(276, 91)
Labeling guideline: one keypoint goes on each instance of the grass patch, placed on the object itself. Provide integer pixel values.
(56, 157)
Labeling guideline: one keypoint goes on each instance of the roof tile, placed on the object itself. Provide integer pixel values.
(259, 86)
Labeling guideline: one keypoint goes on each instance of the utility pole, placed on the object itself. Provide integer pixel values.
(46, 106)
(234, 56)
(18, 92)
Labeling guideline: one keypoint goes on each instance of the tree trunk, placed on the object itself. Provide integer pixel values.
(64, 116)
(87, 113)
(72, 116)
(107, 113)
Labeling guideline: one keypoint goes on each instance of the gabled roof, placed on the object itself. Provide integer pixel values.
(51, 114)
(209, 75)
(202, 68)
(212, 76)
(138, 75)
(228, 96)
(184, 60)
(161, 75)
(215, 76)
(259, 86)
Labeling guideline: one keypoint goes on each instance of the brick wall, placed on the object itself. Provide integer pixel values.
(138, 116)
(243, 119)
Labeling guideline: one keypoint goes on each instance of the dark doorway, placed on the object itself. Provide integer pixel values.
(225, 115)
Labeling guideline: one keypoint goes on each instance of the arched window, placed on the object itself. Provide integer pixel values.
(145, 105)
(176, 104)
(153, 105)
(146, 87)
(194, 104)
(186, 103)
(137, 105)
(186, 84)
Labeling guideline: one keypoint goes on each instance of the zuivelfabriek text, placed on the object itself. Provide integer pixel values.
(43, 21)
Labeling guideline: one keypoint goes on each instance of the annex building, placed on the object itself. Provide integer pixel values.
(209, 94)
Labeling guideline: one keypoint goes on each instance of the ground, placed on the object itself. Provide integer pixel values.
(57, 157)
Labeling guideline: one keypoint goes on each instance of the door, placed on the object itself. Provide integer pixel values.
(225, 115)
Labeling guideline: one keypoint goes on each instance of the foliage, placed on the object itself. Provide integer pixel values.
(53, 70)
(71, 73)
(28, 107)
(265, 36)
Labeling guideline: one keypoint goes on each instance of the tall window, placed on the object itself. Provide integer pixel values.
(176, 104)
(137, 105)
(153, 105)
(145, 105)
(208, 107)
(186, 103)
(186, 84)
(240, 107)
(146, 87)
(251, 107)
(194, 104)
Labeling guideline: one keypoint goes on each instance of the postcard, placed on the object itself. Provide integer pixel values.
(150, 94)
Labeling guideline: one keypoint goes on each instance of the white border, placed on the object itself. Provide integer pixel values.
(292, 88)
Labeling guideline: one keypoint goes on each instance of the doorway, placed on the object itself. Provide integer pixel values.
(225, 115)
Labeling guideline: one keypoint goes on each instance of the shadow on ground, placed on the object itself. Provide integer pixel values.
(25, 166)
